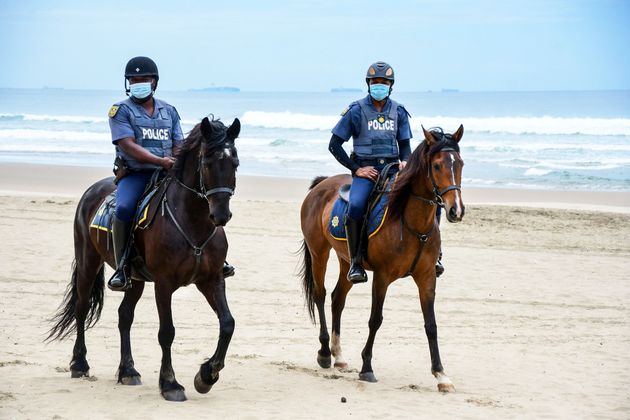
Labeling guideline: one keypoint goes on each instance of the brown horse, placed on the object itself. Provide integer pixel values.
(184, 244)
(408, 243)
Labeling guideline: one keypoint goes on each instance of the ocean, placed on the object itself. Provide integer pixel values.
(578, 140)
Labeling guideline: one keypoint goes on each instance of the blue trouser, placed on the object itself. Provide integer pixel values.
(360, 191)
(130, 189)
(359, 194)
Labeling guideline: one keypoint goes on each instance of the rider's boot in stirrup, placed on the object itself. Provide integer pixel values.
(228, 269)
(121, 280)
(356, 273)
(439, 268)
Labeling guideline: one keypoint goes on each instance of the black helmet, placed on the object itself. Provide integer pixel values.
(141, 66)
(380, 69)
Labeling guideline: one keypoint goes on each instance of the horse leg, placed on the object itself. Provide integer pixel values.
(208, 375)
(169, 388)
(338, 303)
(427, 300)
(319, 296)
(88, 269)
(379, 290)
(127, 374)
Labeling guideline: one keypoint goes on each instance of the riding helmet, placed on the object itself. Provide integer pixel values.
(380, 69)
(141, 66)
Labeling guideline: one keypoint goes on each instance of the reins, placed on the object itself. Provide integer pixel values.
(197, 250)
(201, 193)
(437, 201)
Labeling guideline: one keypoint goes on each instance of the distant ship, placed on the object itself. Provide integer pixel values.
(217, 89)
(342, 89)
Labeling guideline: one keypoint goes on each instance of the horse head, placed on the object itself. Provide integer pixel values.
(445, 170)
(218, 161)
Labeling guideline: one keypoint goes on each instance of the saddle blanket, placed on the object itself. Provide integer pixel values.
(103, 218)
(373, 222)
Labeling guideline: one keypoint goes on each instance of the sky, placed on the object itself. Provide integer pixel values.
(298, 45)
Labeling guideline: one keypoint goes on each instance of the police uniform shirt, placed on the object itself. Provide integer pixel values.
(350, 123)
(120, 123)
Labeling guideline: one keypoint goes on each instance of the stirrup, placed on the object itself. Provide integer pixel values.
(228, 269)
(114, 282)
(439, 268)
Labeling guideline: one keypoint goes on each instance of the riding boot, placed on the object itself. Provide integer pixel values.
(121, 280)
(228, 269)
(356, 273)
(439, 268)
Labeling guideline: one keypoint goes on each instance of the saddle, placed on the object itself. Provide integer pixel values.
(147, 208)
(377, 207)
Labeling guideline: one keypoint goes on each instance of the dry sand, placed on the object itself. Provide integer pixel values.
(532, 313)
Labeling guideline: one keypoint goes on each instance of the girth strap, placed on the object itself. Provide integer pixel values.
(197, 250)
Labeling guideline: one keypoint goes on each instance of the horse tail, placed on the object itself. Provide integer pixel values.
(63, 320)
(308, 281)
(316, 181)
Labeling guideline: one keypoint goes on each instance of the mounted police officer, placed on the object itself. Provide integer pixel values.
(146, 132)
(380, 133)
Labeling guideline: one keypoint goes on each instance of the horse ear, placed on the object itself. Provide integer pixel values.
(234, 130)
(206, 128)
(457, 136)
(428, 136)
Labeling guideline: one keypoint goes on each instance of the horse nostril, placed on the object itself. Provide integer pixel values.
(453, 212)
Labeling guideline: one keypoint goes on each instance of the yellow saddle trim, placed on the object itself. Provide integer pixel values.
(372, 234)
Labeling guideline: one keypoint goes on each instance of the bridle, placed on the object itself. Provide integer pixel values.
(438, 200)
(203, 192)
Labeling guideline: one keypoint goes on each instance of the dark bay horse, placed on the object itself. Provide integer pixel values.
(184, 244)
(408, 243)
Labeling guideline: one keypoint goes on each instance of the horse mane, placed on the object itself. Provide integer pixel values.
(417, 166)
(316, 181)
(194, 140)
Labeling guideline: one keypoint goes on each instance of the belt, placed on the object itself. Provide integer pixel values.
(375, 161)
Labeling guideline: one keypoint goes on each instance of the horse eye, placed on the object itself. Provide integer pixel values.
(436, 166)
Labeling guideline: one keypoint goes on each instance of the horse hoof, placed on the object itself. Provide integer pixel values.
(341, 365)
(201, 386)
(367, 377)
(79, 373)
(446, 388)
(130, 380)
(324, 361)
(177, 395)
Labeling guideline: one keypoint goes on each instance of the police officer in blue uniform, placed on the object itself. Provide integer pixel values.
(146, 131)
(380, 133)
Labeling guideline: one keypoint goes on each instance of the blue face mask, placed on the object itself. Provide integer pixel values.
(379, 91)
(140, 90)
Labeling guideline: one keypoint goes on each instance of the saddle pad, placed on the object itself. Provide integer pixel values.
(103, 218)
(374, 220)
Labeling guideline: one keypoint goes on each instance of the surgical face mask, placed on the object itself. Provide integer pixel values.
(140, 90)
(379, 91)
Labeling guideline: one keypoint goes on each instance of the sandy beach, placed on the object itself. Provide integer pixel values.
(532, 312)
